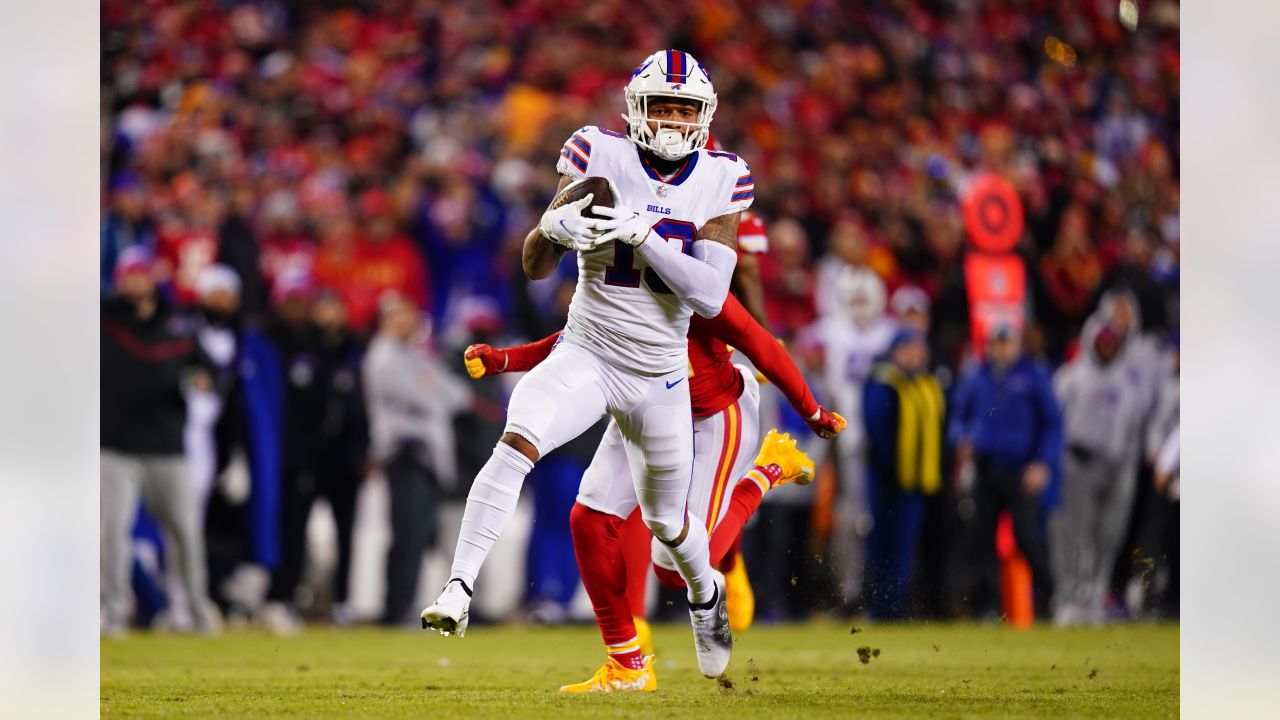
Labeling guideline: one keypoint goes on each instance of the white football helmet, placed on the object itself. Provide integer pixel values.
(861, 292)
(669, 73)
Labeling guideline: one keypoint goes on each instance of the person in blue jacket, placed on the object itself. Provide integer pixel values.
(1007, 423)
(902, 412)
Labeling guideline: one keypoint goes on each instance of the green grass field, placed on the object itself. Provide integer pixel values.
(808, 671)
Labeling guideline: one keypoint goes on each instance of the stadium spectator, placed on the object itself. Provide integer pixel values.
(463, 225)
(125, 224)
(788, 279)
(411, 400)
(342, 433)
(1149, 365)
(903, 411)
(852, 336)
(286, 243)
(1105, 401)
(1134, 273)
(848, 246)
(243, 519)
(294, 338)
(1007, 426)
(239, 250)
(187, 237)
(385, 260)
(150, 361)
(1161, 537)
(909, 306)
(219, 290)
(943, 562)
(476, 321)
(1070, 273)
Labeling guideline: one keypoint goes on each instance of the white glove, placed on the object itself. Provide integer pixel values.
(566, 226)
(622, 225)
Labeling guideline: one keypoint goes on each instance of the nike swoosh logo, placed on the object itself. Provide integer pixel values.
(673, 384)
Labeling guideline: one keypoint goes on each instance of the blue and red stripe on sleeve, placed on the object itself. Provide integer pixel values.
(744, 189)
(577, 150)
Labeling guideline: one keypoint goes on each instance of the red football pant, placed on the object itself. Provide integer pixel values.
(614, 556)
(635, 537)
(597, 544)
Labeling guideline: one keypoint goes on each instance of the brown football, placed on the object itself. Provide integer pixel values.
(598, 187)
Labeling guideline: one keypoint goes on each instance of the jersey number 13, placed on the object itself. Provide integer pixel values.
(623, 272)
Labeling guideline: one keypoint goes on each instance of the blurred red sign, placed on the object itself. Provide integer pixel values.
(992, 213)
(997, 286)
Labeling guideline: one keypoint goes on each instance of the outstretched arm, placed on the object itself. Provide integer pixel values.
(735, 326)
(482, 359)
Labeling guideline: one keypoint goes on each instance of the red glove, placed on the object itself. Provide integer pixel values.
(826, 424)
(482, 360)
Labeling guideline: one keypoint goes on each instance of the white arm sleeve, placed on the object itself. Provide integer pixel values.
(701, 281)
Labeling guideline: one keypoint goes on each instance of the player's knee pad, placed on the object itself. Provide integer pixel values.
(666, 529)
(667, 443)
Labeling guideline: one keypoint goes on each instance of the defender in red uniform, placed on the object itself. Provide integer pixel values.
(725, 400)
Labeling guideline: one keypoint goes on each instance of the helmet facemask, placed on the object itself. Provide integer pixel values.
(668, 143)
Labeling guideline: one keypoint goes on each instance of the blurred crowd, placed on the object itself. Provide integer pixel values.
(310, 208)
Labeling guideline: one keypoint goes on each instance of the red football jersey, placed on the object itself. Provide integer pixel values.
(714, 383)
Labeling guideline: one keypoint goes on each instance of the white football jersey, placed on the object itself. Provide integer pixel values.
(621, 309)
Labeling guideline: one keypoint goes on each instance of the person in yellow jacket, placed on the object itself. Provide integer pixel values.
(903, 411)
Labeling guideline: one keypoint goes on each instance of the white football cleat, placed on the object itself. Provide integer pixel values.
(712, 638)
(449, 613)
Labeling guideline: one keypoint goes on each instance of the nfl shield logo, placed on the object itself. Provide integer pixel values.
(662, 191)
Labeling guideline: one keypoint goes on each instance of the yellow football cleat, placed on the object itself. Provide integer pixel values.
(739, 596)
(644, 634)
(613, 677)
(780, 449)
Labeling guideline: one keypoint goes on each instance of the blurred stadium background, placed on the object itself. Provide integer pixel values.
(317, 155)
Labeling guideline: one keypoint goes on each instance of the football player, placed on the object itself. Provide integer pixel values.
(725, 398)
(664, 251)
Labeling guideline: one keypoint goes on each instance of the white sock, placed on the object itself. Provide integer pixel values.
(490, 504)
(693, 559)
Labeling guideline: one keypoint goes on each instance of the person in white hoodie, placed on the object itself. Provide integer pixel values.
(1161, 534)
(853, 333)
(411, 400)
(1106, 398)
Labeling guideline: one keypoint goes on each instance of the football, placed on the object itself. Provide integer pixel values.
(596, 186)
